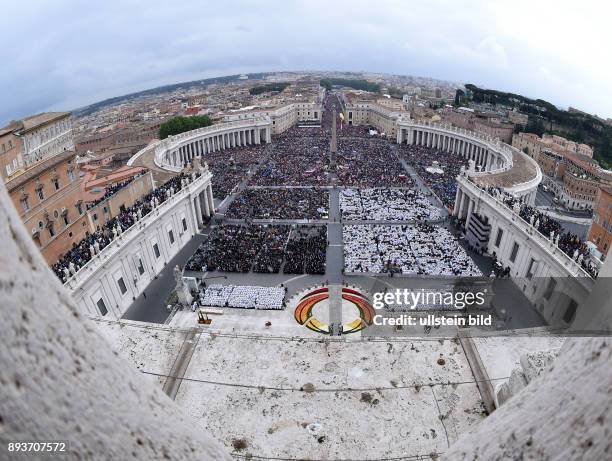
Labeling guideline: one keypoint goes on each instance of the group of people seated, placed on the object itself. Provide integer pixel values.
(387, 205)
(81, 253)
(306, 251)
(262, 249)
(407, 249)
(294, 203)
(242, 296)
(442, 180)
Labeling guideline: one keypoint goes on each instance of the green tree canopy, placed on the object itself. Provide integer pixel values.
(181, 124)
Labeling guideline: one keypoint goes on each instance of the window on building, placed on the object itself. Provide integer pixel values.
(184, 221)
(66, 219)
(570, 312)
(102, 307)
(24, 204)
(51, 230)
(171, 236)
(71, 175)
(552, 284)
(122, 286)
(530, 269)
(156, 251)
(514, 252)
(79, 208)
(95, 216)
(140, 266)
(56, 183)
(500, 234)
(41, 194)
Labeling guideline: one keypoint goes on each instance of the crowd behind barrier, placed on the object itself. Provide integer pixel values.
(552, 229)
(81, 253)
(112, 190)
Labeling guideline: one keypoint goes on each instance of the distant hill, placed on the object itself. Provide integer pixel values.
(546, 117)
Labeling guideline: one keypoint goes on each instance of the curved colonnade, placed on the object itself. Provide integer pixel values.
(176, 152)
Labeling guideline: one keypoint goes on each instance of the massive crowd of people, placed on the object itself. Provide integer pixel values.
(295, 161)
(230, 167)
(363, 162)
(440, 176)
(263, 249)
(386, 205)
(294, 203)
(407, 249)
(306, 250)
(81, 253)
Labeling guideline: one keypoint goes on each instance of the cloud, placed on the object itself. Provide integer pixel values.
(69, 53)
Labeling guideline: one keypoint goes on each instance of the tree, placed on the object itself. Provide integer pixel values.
(181, 124)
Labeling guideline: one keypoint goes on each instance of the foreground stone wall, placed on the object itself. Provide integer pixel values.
(59, 378)
(566, 412)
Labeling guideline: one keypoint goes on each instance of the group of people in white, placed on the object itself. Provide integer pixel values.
(407, 249)
(386, 205)
(242, 296)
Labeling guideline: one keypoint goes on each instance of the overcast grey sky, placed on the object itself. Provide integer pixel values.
(62, 54)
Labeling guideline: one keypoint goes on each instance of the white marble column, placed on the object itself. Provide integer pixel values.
(211, 201)
(198, 211)
(458, 197)
(204, 200)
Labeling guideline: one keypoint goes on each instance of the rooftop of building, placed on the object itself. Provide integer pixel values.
(522, 171)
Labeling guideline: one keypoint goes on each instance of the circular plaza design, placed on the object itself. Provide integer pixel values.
(312, 310)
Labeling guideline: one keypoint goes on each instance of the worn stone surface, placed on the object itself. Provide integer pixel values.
(563, 414)
(61, 380)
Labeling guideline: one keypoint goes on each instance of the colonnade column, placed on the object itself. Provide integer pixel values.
(204, 201)
(469, 213)
(198, 212)
(210, 199)
(458, 198)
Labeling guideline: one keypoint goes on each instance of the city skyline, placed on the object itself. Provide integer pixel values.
(90, 60)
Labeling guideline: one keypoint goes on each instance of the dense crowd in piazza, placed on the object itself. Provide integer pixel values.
(294, 203)
(387, 205)
(262, 249)
(295, 161)
(229, 168)
(407, 249)
(363, 162)
(443, 180)
(95, 242)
